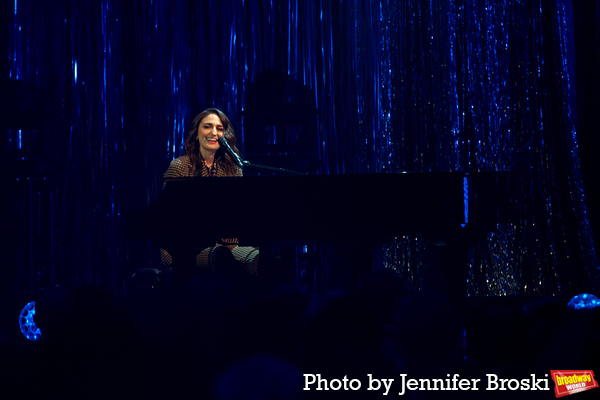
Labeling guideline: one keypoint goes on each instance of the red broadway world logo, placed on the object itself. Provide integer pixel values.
(572, 381)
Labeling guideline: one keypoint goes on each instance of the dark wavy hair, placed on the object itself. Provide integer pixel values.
(192, 145)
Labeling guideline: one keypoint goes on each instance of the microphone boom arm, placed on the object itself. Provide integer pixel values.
(242, 163)
(249, 164)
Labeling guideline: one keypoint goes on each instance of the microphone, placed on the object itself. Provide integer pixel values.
(223, 142)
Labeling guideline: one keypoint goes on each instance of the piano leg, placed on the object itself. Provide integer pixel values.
(357, 262)
(456, 262)
(184, 266)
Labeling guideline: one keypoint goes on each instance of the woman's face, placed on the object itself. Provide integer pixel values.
(209, 131)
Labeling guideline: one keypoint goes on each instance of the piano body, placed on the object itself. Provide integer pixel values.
(350, 208)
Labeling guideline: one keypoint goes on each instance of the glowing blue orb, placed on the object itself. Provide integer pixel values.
(28, 328)
(584, 301)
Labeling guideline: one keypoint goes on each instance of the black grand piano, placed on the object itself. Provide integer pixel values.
(353, 208)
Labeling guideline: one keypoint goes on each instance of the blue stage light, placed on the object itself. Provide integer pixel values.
(584, 300)
(28, 328)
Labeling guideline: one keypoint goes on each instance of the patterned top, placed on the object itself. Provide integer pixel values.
(182, 167)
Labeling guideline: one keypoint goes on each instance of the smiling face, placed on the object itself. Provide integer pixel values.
(209, 132)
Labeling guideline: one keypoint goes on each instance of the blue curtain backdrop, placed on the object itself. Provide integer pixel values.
(400, 86)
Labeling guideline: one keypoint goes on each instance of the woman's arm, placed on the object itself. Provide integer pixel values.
(177, 168)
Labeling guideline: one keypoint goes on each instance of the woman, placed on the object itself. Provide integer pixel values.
(204, 157)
